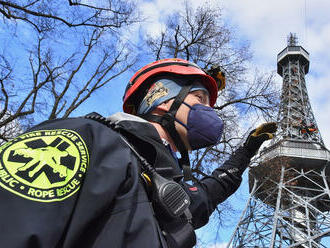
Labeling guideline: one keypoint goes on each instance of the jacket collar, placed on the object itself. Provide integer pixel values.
(146, 140)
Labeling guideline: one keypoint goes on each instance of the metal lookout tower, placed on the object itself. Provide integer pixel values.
(289, 186)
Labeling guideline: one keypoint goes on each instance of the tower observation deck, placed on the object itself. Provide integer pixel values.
(289, 203)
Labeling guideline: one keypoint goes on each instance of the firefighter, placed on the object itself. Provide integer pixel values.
(117, 182)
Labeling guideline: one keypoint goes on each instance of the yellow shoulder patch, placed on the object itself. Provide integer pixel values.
(44, 165)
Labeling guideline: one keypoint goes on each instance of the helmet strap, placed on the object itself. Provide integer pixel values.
(167, 121)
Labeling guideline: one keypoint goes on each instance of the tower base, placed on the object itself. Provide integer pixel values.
(289, 206)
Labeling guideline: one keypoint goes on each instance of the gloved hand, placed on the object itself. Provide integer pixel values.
(258, 136)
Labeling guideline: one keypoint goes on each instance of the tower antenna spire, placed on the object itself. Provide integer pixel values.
(292, 39)
(289, 203)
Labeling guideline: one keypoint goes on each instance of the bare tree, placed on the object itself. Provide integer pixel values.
(72, 50)
(9, 131)
(12, 128)
(199, 35)
(42, 14)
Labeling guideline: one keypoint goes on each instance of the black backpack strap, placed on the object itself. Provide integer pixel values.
(99, 118)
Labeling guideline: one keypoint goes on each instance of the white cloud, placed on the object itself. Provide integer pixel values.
(222, 245)
(152, 25)
(156, 13)
(267, 23)
(319, 88)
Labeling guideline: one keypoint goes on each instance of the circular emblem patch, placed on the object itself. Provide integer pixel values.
(44, 165)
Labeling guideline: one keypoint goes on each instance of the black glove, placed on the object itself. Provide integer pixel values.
(258, 136)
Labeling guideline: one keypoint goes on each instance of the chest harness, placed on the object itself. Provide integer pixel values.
(167, 121)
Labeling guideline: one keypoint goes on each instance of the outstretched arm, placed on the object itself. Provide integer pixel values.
(225, 180)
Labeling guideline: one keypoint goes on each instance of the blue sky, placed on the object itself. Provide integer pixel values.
(266, 25)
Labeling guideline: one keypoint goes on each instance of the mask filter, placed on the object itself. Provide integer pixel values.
(204, 127)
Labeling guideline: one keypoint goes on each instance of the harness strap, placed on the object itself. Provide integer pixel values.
(168, 122)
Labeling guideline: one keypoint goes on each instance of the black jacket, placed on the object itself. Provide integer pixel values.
(75, 183)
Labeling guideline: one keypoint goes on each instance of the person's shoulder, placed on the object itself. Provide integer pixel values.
(120, 118)
(78, 131)
(130, 123)
(69, 123)
(90, 129)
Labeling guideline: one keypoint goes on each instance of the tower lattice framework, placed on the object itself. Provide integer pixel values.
(289, 183)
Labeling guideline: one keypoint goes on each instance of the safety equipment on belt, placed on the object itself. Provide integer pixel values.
(202, 133)
(142, 81)
(257, 136)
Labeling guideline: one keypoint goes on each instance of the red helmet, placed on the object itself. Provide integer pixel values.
(173, 66)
